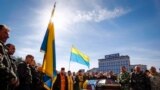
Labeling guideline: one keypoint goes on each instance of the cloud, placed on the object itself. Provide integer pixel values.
(67, 16)
(70, 17)
(69, 13)
(99, 15)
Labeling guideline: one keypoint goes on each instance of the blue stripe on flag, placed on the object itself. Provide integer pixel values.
(54, 59)
(47, 81)
(44, 43)
(79, 59)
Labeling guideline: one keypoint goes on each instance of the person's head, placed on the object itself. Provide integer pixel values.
(62, 70)
(33, 63)
(80, 72)
(74, 74)
(147, 72)
(153, 70)
(11, 48)
(137, 69)
(4, 33)
(39, 68)
(69, 73)
(29, 59)
(123, 69)
(111, 72)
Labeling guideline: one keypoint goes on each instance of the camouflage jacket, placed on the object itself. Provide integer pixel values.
(6, 70)
(155, 81)
(124, 78)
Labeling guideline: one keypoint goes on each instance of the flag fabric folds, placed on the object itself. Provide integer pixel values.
(49, 61)
(79, 57)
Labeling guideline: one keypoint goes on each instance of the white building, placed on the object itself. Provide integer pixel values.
(113, 62)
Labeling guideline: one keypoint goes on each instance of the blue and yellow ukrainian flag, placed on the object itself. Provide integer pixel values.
(49, 61)
(79, 57)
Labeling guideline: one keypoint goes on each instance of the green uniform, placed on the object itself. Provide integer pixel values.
(124, 79)
(6, 70)
(155, 81)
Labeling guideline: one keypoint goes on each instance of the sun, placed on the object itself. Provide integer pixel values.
(59, 20)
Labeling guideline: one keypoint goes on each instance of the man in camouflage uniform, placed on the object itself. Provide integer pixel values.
(154, 79)
(124, 79)
(138, 79)
(24, 72)
(11, 50)
(7, 75)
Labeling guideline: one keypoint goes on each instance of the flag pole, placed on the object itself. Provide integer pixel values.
(54, 71)
(70, 58)
(69, 64)
(53, 11)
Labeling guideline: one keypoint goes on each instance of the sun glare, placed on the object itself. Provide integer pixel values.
(59, 20)
(62, 21)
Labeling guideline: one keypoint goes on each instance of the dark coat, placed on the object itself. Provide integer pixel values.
(138, 81)
(57, 84)
(25, 76)
(37, 83)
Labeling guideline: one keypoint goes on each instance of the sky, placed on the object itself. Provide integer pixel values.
(95, 27)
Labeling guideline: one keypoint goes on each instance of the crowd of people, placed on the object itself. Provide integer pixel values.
(26, 75)
(139, 80)
(135, 80)
(17, 76)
